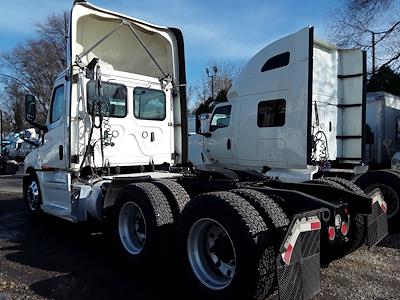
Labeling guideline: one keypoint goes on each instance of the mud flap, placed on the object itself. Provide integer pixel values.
(377, 223)
(298, 264)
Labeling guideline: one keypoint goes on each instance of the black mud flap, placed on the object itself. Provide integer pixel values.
(377, 223)
(298, 263)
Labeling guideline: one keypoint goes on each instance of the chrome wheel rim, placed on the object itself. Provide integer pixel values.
(132, 228)
(211, 254)
(33, 196)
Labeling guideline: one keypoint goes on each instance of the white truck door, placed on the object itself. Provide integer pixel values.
(153, 119)
(53, 148)
(218, 146)
(53, 177)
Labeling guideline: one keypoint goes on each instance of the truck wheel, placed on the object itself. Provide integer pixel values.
(223, 242)
(271, 212)
(358, 227)
(140, 218)
(32, 194)
(176, 195)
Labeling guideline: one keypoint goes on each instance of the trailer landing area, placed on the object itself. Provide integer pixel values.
(53, 259)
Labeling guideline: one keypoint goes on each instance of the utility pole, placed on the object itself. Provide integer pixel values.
(215, 70)
(373, 52)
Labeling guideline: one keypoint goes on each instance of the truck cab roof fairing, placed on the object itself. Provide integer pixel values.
(252, 79)
(122, 49)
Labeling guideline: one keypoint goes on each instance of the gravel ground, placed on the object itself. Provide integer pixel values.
(53, 259)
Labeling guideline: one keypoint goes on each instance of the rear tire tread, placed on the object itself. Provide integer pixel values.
(271, 212)
(176, 195)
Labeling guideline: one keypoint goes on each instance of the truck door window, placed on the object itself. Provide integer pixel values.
(114, 98)
(271, 113)
(149, 104)
(221, 117)
(57, 104)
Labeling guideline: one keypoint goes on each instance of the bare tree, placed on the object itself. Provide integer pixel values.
(33, 66)
(216, 88)
(373, 25)
(13, 107)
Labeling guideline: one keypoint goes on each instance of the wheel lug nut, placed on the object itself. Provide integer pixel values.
(228, 273)
(218, 264)
(212, 235)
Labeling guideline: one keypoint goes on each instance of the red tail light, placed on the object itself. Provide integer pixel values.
(331, 233)
(344, 228)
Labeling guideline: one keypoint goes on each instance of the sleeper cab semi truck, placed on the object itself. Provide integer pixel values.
(336, 132)
(114, 148)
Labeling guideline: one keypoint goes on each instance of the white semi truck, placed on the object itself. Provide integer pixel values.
(115, 149)
(373, 135)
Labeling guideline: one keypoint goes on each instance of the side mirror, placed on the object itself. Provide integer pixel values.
(30, 108)
(30, 112)
(198, 124)
(198, 127)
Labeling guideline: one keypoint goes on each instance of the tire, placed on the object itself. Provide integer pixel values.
(347, 184)
(32, 194)
(238, 231)
(144, 206)
(358, 225)
(176, 195)
(270, 211)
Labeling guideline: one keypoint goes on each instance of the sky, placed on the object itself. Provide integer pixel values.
(212, 30)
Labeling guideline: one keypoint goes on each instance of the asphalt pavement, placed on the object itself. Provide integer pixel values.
(48, 258)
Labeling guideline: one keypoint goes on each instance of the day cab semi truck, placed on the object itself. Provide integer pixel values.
(115, 146)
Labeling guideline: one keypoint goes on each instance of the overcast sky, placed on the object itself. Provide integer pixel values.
(213, 30)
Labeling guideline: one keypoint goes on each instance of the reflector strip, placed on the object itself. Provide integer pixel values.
(378, 197)
(383, 206)
(301, 225)
(288, 254)
(315, 225)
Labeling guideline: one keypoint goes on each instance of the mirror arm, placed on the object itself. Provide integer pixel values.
(39, 126)
(31, 142)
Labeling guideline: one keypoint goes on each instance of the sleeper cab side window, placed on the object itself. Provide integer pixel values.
(149, 104)
(271, 113)
(221, 117)
(57, 104)
(113, 98)
(277, 61)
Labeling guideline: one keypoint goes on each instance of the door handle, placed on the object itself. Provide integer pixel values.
(228, 144)
(152, 137)
(61, 152)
